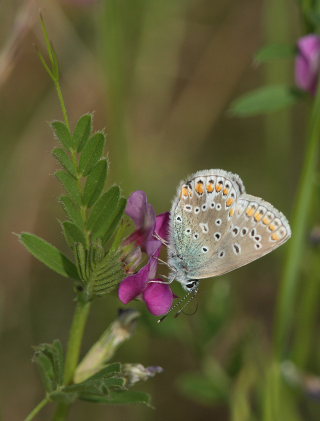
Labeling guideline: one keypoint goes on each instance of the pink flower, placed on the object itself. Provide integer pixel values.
(307, 63)
(157, 295)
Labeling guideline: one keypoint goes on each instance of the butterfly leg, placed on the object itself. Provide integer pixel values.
(163, 241)
(162, 262)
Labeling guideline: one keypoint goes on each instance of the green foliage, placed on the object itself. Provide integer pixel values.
(120, 398)
(72, 233)
(106, 386)
(50, 360)
(49, 255)
(265, 100)
(70, 184)
(91, 152)
(82, 131)
(274, 52)
(95, 183)
(104, 211)
(63, 134)
(72, 210)
(99, 271)
(65, 160)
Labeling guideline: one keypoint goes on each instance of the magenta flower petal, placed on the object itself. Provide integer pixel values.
(134, 285)
(162, 229)
(140, 210)
(158, 298)
(308, 63)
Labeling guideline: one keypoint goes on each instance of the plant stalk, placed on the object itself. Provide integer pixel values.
(73, 352)
(37, 409)
(289, 284)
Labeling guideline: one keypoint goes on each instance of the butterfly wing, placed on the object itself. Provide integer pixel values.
(216, 227)
(199, 217)
(255, 229)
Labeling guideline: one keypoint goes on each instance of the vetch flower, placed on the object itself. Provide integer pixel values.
(158, 296)
(307, 65)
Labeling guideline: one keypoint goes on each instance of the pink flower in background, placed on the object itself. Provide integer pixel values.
(158, 296)
(307, 65)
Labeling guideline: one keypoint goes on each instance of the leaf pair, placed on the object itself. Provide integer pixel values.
(268, 98)
(100, 272)
(50, 360)
(80, 136)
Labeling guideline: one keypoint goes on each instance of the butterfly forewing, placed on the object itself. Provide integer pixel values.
(200, 215)
(216, 227)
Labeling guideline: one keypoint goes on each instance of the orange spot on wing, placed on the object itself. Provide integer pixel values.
(231, 213)
(218, 187)
(266, 220)
(272, 227)
(225, 191)
(250, 211)
(184, 191)
(210, 187)
(229, 201)
(275, 236)
(257, 216)
(200, 188)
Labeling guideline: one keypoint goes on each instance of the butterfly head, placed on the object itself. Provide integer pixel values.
(192, 285)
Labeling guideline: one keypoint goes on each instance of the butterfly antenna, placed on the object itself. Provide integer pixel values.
(175, 306)
(194, 293)
(184, 301)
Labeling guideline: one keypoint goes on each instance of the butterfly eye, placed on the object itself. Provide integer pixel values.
(191, 285)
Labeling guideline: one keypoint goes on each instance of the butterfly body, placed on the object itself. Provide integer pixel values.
(215, 227)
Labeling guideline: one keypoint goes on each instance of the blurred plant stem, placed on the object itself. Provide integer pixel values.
(307, 313)
(277, 125)
(289, 283)
(119, 33)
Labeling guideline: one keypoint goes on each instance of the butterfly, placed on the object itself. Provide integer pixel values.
(216, 227)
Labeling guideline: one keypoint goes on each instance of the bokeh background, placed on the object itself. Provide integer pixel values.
(160, 77)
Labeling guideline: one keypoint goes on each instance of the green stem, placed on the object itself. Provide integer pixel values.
(37, 409)
(62, 103)
(307, 314)
(289, 284)
(75, 339)
(73, 352)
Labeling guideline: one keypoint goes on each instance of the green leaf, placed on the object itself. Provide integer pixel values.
(109, 370)
(72, 210)
(70, 184)
(50, 358)
(63, 134)
(95, 183)
(121, 397)
(275, 51)
(46, 370)
(63, 397)
(265, 100)
(58, 360)
(72, 234)
(91, 153)
(104, 211)
(116, 220)
(82, 131)
(81, 261)
(49, 255)
(65, 160)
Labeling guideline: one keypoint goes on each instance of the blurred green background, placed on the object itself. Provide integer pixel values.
(159, 76)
